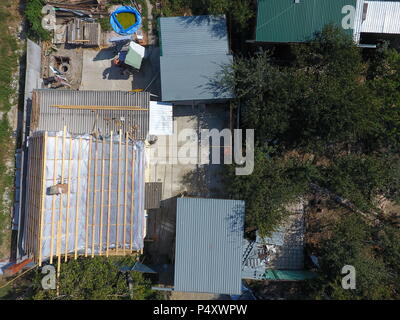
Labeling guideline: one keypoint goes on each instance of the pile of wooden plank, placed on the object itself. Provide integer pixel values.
(83, 33)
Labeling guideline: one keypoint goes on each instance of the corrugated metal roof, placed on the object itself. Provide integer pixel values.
(381, 17)
(287, 21)
(209, 237)
(193, 51)
(188, 78)
(82, 121)
(194, 35)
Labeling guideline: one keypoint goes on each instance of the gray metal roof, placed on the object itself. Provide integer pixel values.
(82, 121)
(209, 237)
(193, 50)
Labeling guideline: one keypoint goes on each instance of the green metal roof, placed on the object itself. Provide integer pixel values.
(287, 21)
(292, 275)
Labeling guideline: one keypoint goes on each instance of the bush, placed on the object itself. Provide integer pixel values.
(33, 13)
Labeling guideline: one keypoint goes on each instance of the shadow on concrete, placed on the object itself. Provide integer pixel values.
(105, 54)
(148, 78)
(115, 73)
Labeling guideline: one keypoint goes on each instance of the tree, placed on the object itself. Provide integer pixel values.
(33, 13)
(97, 278)
(328, 116)
(362, 179)
(318, 102)
(274, 184)
(352, 244)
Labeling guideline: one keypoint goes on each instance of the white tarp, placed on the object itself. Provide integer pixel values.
(88, 211)
(161, 119)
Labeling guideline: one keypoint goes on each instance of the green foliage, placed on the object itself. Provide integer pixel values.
(360, 178)
(34, 16)
(274, 184)
(332, 116)
(351, 244)
(105, 24)
(96, 279)
(8, 65)
(316, 103)
(241, 11)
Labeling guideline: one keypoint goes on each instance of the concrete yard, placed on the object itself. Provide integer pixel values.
(98, 73)
(199, 180)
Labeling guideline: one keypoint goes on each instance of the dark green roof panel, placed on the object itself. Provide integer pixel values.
(288, 21)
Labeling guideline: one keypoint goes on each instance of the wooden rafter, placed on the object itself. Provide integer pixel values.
(42, 209)
(109, 195)
(78, 195)
(71, 142)
(125, 186)
(88, 198)
(102, 198)
(122, 108)
(94, 197)
(53, 200)
(119, 189)
(59, 225)
(133, 196)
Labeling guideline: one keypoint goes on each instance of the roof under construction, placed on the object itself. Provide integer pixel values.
(85, 196)
(85, 112)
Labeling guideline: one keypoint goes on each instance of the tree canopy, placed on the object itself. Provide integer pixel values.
(97, 278)
(326, 116)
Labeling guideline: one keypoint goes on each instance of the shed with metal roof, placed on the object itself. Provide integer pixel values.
(193, 52)
(209, 238)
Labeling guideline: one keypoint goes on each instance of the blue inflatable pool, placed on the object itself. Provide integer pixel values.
(125, 30)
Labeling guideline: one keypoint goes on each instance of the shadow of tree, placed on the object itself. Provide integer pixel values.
(216, 24)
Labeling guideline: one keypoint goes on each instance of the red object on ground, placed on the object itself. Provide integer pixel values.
(16, 267)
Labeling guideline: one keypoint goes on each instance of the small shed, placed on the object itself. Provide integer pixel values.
(209, 237)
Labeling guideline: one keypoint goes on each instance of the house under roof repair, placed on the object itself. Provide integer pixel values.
(193, 51)
(209, 238)
(85, 196)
